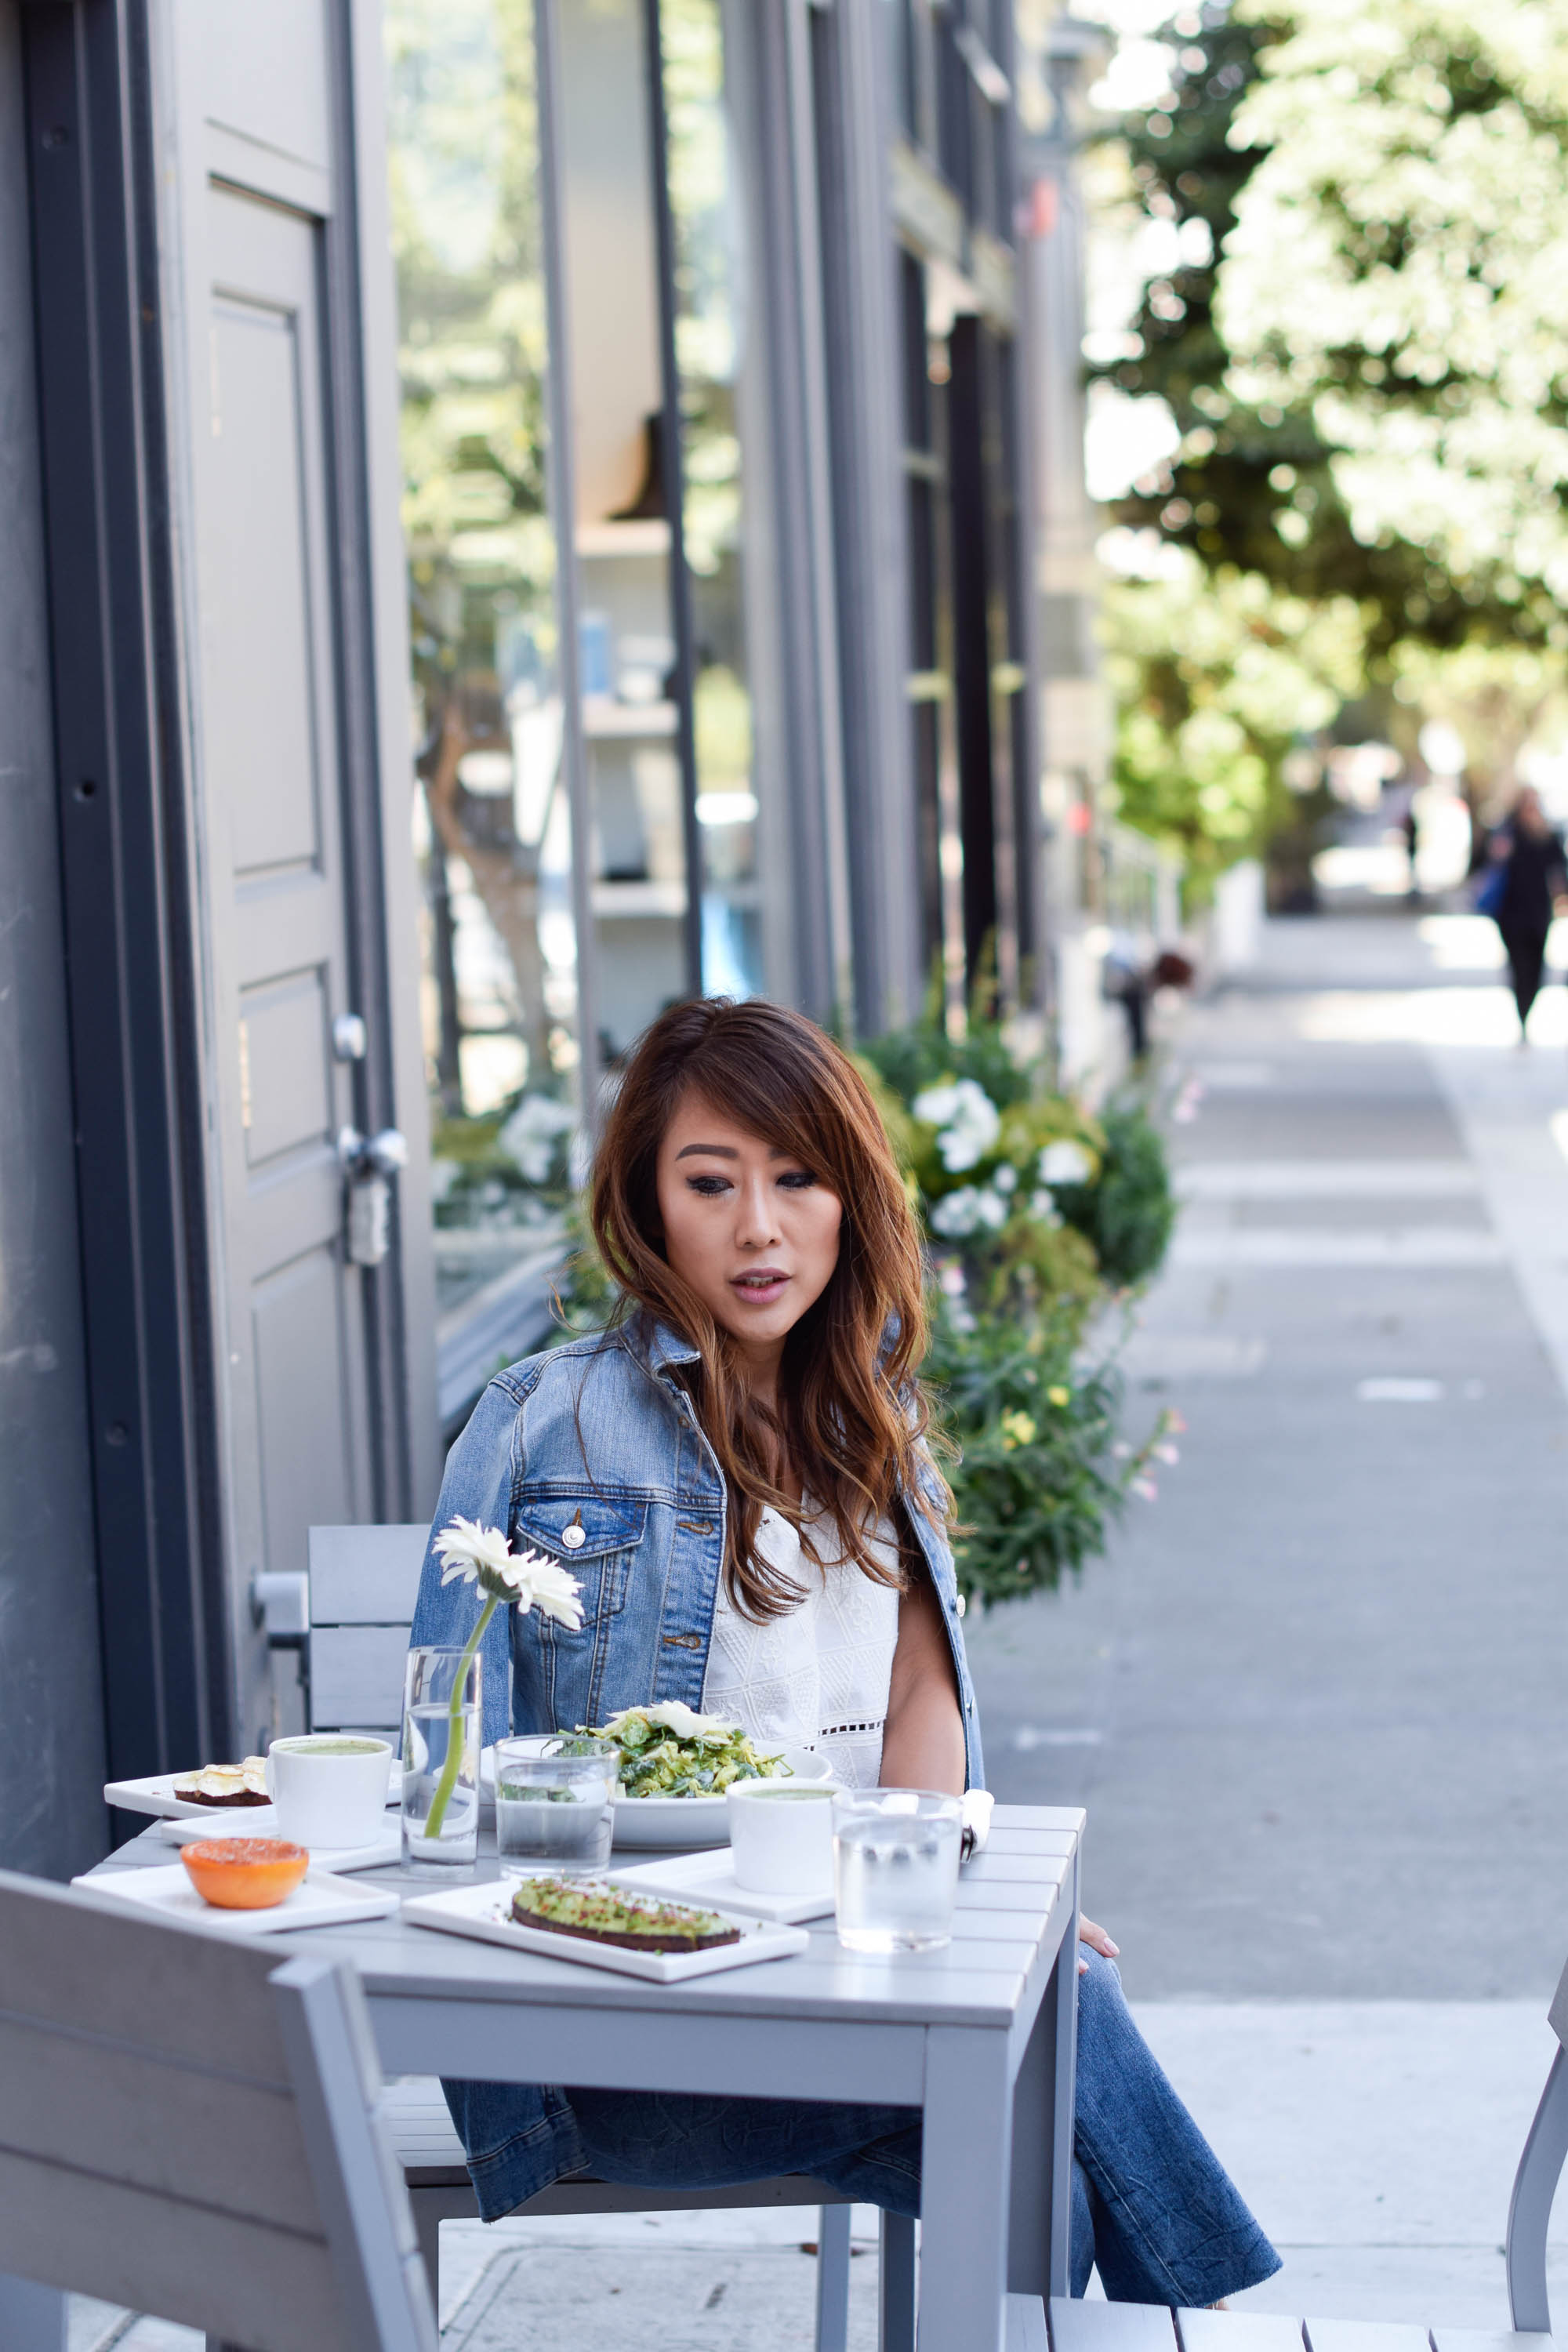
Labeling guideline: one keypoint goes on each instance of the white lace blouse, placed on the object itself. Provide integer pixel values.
(819, 1675)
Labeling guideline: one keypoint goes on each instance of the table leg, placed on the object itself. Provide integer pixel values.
(32, 2317)
(897, 2285)
(1041, 2202)
(832, 2224)
(1063, 1993)
(965, 2160)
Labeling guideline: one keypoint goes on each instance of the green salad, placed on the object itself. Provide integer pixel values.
(670, 1751)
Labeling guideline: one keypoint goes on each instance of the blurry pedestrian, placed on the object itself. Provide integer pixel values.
(1411, 828)
(1526, 883)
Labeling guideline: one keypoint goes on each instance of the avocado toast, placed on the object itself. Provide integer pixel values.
(599, 1913)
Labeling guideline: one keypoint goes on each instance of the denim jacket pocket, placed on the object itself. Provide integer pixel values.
(596, 1537)
(593, 1536)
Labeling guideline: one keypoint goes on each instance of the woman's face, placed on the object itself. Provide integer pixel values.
(753, 1232)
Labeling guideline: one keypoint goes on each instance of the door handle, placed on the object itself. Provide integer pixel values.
(370, 1162)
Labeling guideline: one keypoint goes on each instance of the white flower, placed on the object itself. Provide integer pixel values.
(531, 1134)
(953, 1280)
(482, 1556)
(1065, 1162)
(1044, 1210)
(1005, 1178)
(973, 1209)
(967, 1121)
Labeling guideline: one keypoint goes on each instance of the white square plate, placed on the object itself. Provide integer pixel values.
(157, 1796)
(708, 1879)
(378, 1855)
(318, 1901)
(482, 1912)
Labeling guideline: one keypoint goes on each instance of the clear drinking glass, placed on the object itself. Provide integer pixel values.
(440, 1758)
(894, 1868)
(555, 1812)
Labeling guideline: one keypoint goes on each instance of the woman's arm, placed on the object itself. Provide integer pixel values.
(922, 1747)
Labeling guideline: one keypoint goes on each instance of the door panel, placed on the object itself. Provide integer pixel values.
(303, 1413)
(262, 691)
(285, 1058)
(271, 765)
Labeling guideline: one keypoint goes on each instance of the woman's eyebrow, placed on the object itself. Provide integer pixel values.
(718, 1151)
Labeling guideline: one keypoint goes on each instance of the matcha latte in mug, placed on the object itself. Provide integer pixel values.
(330, 1787)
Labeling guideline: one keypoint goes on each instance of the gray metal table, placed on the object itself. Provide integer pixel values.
(979, 2037)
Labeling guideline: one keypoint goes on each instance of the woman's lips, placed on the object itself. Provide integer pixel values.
(759, 1286)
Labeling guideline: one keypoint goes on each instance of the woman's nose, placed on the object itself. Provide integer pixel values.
(756, 1226)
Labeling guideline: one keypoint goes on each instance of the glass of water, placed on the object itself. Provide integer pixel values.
(440, 1758)
(894, 1868)
(555, 1812)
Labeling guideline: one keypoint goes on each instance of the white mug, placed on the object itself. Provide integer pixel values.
(780, 1834)
(329, 1788)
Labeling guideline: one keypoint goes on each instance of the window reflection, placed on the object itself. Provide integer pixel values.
(491, 823)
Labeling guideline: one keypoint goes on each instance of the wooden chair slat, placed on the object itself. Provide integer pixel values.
(270, 2290)
(1489, 2339)
(356, 1676)
(69, 1958)
(366, 1576)
(1079, 2327)
(179, 2132)
(1026, 2323)
(1363, 2335)
(1238, 2331)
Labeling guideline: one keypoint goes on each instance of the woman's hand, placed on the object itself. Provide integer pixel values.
(1097, 1941)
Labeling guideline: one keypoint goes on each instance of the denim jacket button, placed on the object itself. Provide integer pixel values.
(573, 1537)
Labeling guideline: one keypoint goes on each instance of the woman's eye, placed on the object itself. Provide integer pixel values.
(798, 1179)
(710, 1187)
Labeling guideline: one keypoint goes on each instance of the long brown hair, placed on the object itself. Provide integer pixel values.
(850, 1414)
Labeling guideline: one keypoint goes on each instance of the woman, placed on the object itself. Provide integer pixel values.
(736, 1471)
(1533, 880)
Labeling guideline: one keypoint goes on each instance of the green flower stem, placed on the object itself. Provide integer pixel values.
(448, 1781)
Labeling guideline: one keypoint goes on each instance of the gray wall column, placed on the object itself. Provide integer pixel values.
(51, 1701)
(854, 134)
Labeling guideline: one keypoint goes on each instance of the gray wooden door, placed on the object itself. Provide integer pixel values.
(298, 760)
(272, 729)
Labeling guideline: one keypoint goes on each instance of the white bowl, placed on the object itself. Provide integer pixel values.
(693, 1821)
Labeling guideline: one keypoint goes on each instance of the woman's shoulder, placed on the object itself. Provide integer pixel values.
(595, 1361)
(591, 1404)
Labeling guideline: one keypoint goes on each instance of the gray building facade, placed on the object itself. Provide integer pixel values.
(519, 512)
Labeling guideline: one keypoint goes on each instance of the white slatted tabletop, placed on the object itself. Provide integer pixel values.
(979, 2036)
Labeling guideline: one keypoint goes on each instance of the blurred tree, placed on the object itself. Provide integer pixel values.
(1214, 687)
(1359, 337)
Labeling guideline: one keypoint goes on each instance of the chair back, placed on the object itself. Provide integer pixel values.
(1535, 2185)
(188, 2127)
(364, 1585)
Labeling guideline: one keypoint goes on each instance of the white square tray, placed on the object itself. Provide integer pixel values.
(157, 1796)
(481, 1912)
(318, 1901)
(380, 1854)
(708, 1879)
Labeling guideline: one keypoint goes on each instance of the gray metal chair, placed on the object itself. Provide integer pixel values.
(363, 1585)
(190, 2128)
(1150, 2327)
(431, 2155)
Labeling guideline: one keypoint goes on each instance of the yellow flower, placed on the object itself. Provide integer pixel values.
(1059, 1396)
(1017, 1429)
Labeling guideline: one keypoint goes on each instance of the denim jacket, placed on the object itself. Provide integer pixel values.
(597, 1434)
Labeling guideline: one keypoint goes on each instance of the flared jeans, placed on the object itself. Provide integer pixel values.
(1153, 2208)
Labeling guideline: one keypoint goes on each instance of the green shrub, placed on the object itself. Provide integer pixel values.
(1127, 1214)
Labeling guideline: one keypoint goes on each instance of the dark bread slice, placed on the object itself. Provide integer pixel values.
(222, 1804)
(660, 1939)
